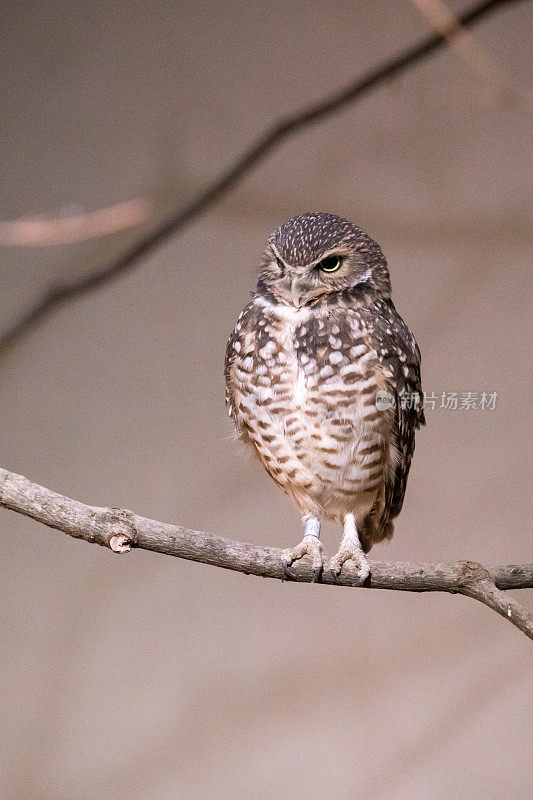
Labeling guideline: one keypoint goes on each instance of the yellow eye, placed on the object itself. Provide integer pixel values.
(329, 264)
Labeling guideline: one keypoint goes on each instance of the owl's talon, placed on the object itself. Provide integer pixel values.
(286, 563)
(311, 546)
(349, 551)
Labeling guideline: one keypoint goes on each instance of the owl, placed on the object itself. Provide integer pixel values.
(323, 382)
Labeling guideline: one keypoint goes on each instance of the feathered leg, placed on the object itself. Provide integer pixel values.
(350, 550)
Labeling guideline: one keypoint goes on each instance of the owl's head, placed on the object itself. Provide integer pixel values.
(315, 255)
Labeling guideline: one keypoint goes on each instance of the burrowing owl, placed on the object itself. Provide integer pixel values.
(323, 380)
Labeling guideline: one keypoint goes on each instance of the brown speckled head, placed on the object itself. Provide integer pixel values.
(317, 254)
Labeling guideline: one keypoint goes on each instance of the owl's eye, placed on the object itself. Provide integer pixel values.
(329, 264)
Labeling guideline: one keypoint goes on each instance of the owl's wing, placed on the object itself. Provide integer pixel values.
(399, 355)
(236, 347)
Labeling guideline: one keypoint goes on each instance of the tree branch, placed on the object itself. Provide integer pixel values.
(120, 530)
(45, 231)
(478, 58)
(272, 138)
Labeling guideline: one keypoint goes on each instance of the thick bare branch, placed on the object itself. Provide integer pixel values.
(120, 530)
(271, 139)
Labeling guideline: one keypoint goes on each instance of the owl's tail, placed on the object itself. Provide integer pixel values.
(373, 533)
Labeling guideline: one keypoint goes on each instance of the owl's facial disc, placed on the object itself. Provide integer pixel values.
(310, 282)
(300, 285)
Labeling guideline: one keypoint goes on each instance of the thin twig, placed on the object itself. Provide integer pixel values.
(120, 530)
(272, 138)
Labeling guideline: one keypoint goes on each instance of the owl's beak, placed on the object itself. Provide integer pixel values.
(296, 291)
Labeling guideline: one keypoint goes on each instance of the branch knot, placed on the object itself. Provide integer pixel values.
(470, 572)
(121, 534)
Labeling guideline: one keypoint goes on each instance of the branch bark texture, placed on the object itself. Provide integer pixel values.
(120, 530)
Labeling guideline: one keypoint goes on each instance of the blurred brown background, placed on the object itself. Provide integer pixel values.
(148, 678)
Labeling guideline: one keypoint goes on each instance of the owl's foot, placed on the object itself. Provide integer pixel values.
(309, 546)
(350, 550)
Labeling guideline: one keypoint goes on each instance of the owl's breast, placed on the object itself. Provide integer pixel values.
(306, 399)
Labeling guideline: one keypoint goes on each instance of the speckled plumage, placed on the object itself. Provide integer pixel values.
(303, 366)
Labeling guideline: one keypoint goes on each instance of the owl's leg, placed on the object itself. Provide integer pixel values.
(350, 550)
(310, 545)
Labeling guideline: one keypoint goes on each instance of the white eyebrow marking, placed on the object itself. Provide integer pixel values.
(364, 277)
